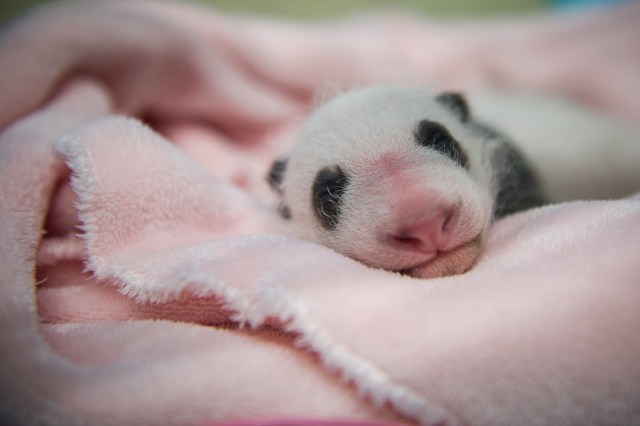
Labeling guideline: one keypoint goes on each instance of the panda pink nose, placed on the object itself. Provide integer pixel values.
(428, 235)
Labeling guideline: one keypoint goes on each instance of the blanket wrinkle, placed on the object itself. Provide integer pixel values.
(156, 67)
(57, 249)
(162, 177)
(70, 296)
(400, 47)
(23, 207)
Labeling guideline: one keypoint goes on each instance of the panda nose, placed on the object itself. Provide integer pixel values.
(429, 234)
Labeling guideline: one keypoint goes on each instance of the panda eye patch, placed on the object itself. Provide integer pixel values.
(328, 190)
(435, 136)
(276, 174)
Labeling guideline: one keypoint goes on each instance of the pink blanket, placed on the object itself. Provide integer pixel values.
(145, 277)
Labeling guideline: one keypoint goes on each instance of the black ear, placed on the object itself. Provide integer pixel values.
(456, 103)
(276, 174)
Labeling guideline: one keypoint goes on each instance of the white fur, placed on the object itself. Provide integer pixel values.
(369, 133)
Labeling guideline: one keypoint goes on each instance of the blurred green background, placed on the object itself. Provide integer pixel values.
(311, 9)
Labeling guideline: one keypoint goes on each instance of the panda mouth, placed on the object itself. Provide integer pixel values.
(451, 262)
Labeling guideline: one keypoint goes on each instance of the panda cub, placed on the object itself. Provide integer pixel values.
(401, 179)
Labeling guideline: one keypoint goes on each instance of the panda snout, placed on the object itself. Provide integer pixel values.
(401, 212)
(430, 234)
(429, 239)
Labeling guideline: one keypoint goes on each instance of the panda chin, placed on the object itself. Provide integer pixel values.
(453, 262)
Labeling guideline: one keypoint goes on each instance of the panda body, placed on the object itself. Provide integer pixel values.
(401, 179)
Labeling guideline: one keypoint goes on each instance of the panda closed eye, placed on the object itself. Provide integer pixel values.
(434, 135)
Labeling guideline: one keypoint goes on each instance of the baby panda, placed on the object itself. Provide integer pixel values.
(401, 179)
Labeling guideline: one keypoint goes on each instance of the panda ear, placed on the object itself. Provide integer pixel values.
(276, 174)
(456, 103)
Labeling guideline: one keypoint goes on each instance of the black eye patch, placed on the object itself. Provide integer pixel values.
(329, 187)
(276, 174)
(275, 179)
(435, 136)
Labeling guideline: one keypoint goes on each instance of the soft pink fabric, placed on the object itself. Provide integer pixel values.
(306, 422)
(165, 292)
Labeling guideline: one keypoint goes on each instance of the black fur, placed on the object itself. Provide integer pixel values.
(435, 136)
(284, 211)
(456, 103)
(329, 187)
(276, 174)
(275, 179)
(518, 187)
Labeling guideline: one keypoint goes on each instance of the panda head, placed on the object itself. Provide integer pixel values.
(391, 177)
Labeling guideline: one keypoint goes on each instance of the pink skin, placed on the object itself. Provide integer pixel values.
(423, 220)
(422, 228)
(430, 235)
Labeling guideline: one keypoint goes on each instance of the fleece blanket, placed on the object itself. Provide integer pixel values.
(145, 277)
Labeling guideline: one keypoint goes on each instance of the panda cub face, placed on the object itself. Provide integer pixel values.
(392, 177)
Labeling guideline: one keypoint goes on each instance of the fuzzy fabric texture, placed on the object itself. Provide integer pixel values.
(145, 277)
